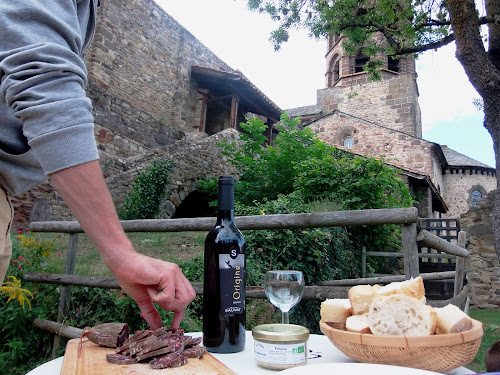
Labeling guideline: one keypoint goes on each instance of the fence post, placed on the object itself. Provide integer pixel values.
(69, 269)
(460, 266)
(363, 262)
(410, 249)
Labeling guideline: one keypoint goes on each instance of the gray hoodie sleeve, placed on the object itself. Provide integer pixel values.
(43, 76)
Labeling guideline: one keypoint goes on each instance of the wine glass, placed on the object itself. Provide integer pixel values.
(284, 290)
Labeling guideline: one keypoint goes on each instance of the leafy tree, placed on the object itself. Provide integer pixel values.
(407, 27)
(267, 171)
(298, 167)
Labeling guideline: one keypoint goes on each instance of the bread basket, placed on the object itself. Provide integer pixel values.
(438, 353)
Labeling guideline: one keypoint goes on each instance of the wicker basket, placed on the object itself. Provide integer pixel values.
(439, 353)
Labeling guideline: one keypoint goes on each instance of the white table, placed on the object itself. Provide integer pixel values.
(243, 363)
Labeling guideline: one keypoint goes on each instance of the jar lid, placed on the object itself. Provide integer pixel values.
(280, 332)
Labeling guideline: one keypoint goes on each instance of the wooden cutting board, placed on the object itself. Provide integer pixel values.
(92, 361)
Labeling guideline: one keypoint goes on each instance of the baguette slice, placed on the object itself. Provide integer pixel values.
(450, 319)
(401, 315)
(335, 311)
(361, 296)
(413, 287)
(358, 323)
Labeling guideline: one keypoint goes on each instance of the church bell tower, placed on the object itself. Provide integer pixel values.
(391, 102)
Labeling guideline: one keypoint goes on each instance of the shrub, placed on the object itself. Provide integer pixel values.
(148, 192)
(299, 163)
(21, 345)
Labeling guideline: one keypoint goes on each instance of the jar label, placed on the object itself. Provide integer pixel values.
(232, 282)
(280, 354)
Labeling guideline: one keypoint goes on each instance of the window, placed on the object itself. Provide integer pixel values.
(348, 142)
(476, 196)
(393, 64)
(359, 64)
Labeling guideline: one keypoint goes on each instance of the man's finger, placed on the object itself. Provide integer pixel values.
(149, 312)
(177, 319)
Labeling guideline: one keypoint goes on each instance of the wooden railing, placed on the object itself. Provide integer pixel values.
(406, 217)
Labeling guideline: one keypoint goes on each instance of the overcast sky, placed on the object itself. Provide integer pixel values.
(292, 76)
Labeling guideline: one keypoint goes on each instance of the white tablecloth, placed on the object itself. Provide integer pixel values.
(243, 363)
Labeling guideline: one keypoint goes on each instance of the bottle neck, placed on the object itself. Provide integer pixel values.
(226, 202)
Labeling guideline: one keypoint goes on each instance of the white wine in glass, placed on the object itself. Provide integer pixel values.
(284, 290)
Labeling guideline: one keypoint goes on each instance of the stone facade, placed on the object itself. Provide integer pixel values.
(482, 266)
(139, 66)
(458, 185)
(395, 100)
(145, 101)
(397, 148)
(195, 159)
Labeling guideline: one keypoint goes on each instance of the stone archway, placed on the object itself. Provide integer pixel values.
(194, 159)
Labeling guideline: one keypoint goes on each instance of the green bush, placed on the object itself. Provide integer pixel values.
(320, 253)
(21, 345)
(148, 192)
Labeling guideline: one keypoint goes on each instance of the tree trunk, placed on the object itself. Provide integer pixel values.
(483, 70)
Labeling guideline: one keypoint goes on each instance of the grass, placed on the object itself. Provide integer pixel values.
(172, 247)
(491, 324)
(176, 247)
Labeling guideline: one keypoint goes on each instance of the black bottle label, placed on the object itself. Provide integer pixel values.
(232, 282)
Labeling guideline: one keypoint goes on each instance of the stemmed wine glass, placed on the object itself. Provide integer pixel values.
(284, 290)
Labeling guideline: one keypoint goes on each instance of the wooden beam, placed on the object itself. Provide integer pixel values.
(431, 240)
(460, 267)
(315, 292)
(410, 249)
(255, 222)
(233, 121)
(387, 279)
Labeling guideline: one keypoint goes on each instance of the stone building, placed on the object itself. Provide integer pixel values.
(382, 119)
(156, 91)
(159, 92)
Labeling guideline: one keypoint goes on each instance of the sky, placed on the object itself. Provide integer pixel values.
(291, 76)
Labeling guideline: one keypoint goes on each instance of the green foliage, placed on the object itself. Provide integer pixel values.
(407, 26)
(299, 163)
(148, 192)
(268, 171)
(491, 325)
(320, 253)
(21, 345)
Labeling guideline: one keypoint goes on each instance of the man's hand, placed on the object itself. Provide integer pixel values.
(147, 280)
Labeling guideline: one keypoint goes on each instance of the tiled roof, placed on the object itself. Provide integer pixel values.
(456, 159)
(304, 111)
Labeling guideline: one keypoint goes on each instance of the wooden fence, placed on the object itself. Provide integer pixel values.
(406, 217)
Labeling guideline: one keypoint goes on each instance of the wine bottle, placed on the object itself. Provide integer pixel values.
(224, 278)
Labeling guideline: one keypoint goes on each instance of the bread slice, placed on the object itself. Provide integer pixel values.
(401, 315)
(413, 287)
(335, 312)
(450, 319)
(357, 323)
(361, 296)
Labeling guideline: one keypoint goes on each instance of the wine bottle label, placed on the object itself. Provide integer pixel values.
(232, 282)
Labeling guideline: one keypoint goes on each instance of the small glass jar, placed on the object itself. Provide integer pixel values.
(280, 346)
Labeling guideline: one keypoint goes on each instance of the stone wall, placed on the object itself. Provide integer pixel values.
(412, 153)
(392, 102)
(139, 70)
(140, 84)
(458, 185)
(195, 158)
(482, 266)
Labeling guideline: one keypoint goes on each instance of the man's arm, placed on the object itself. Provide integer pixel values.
(144, 279)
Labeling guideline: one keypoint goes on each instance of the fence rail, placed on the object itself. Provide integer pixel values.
(406, 217)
